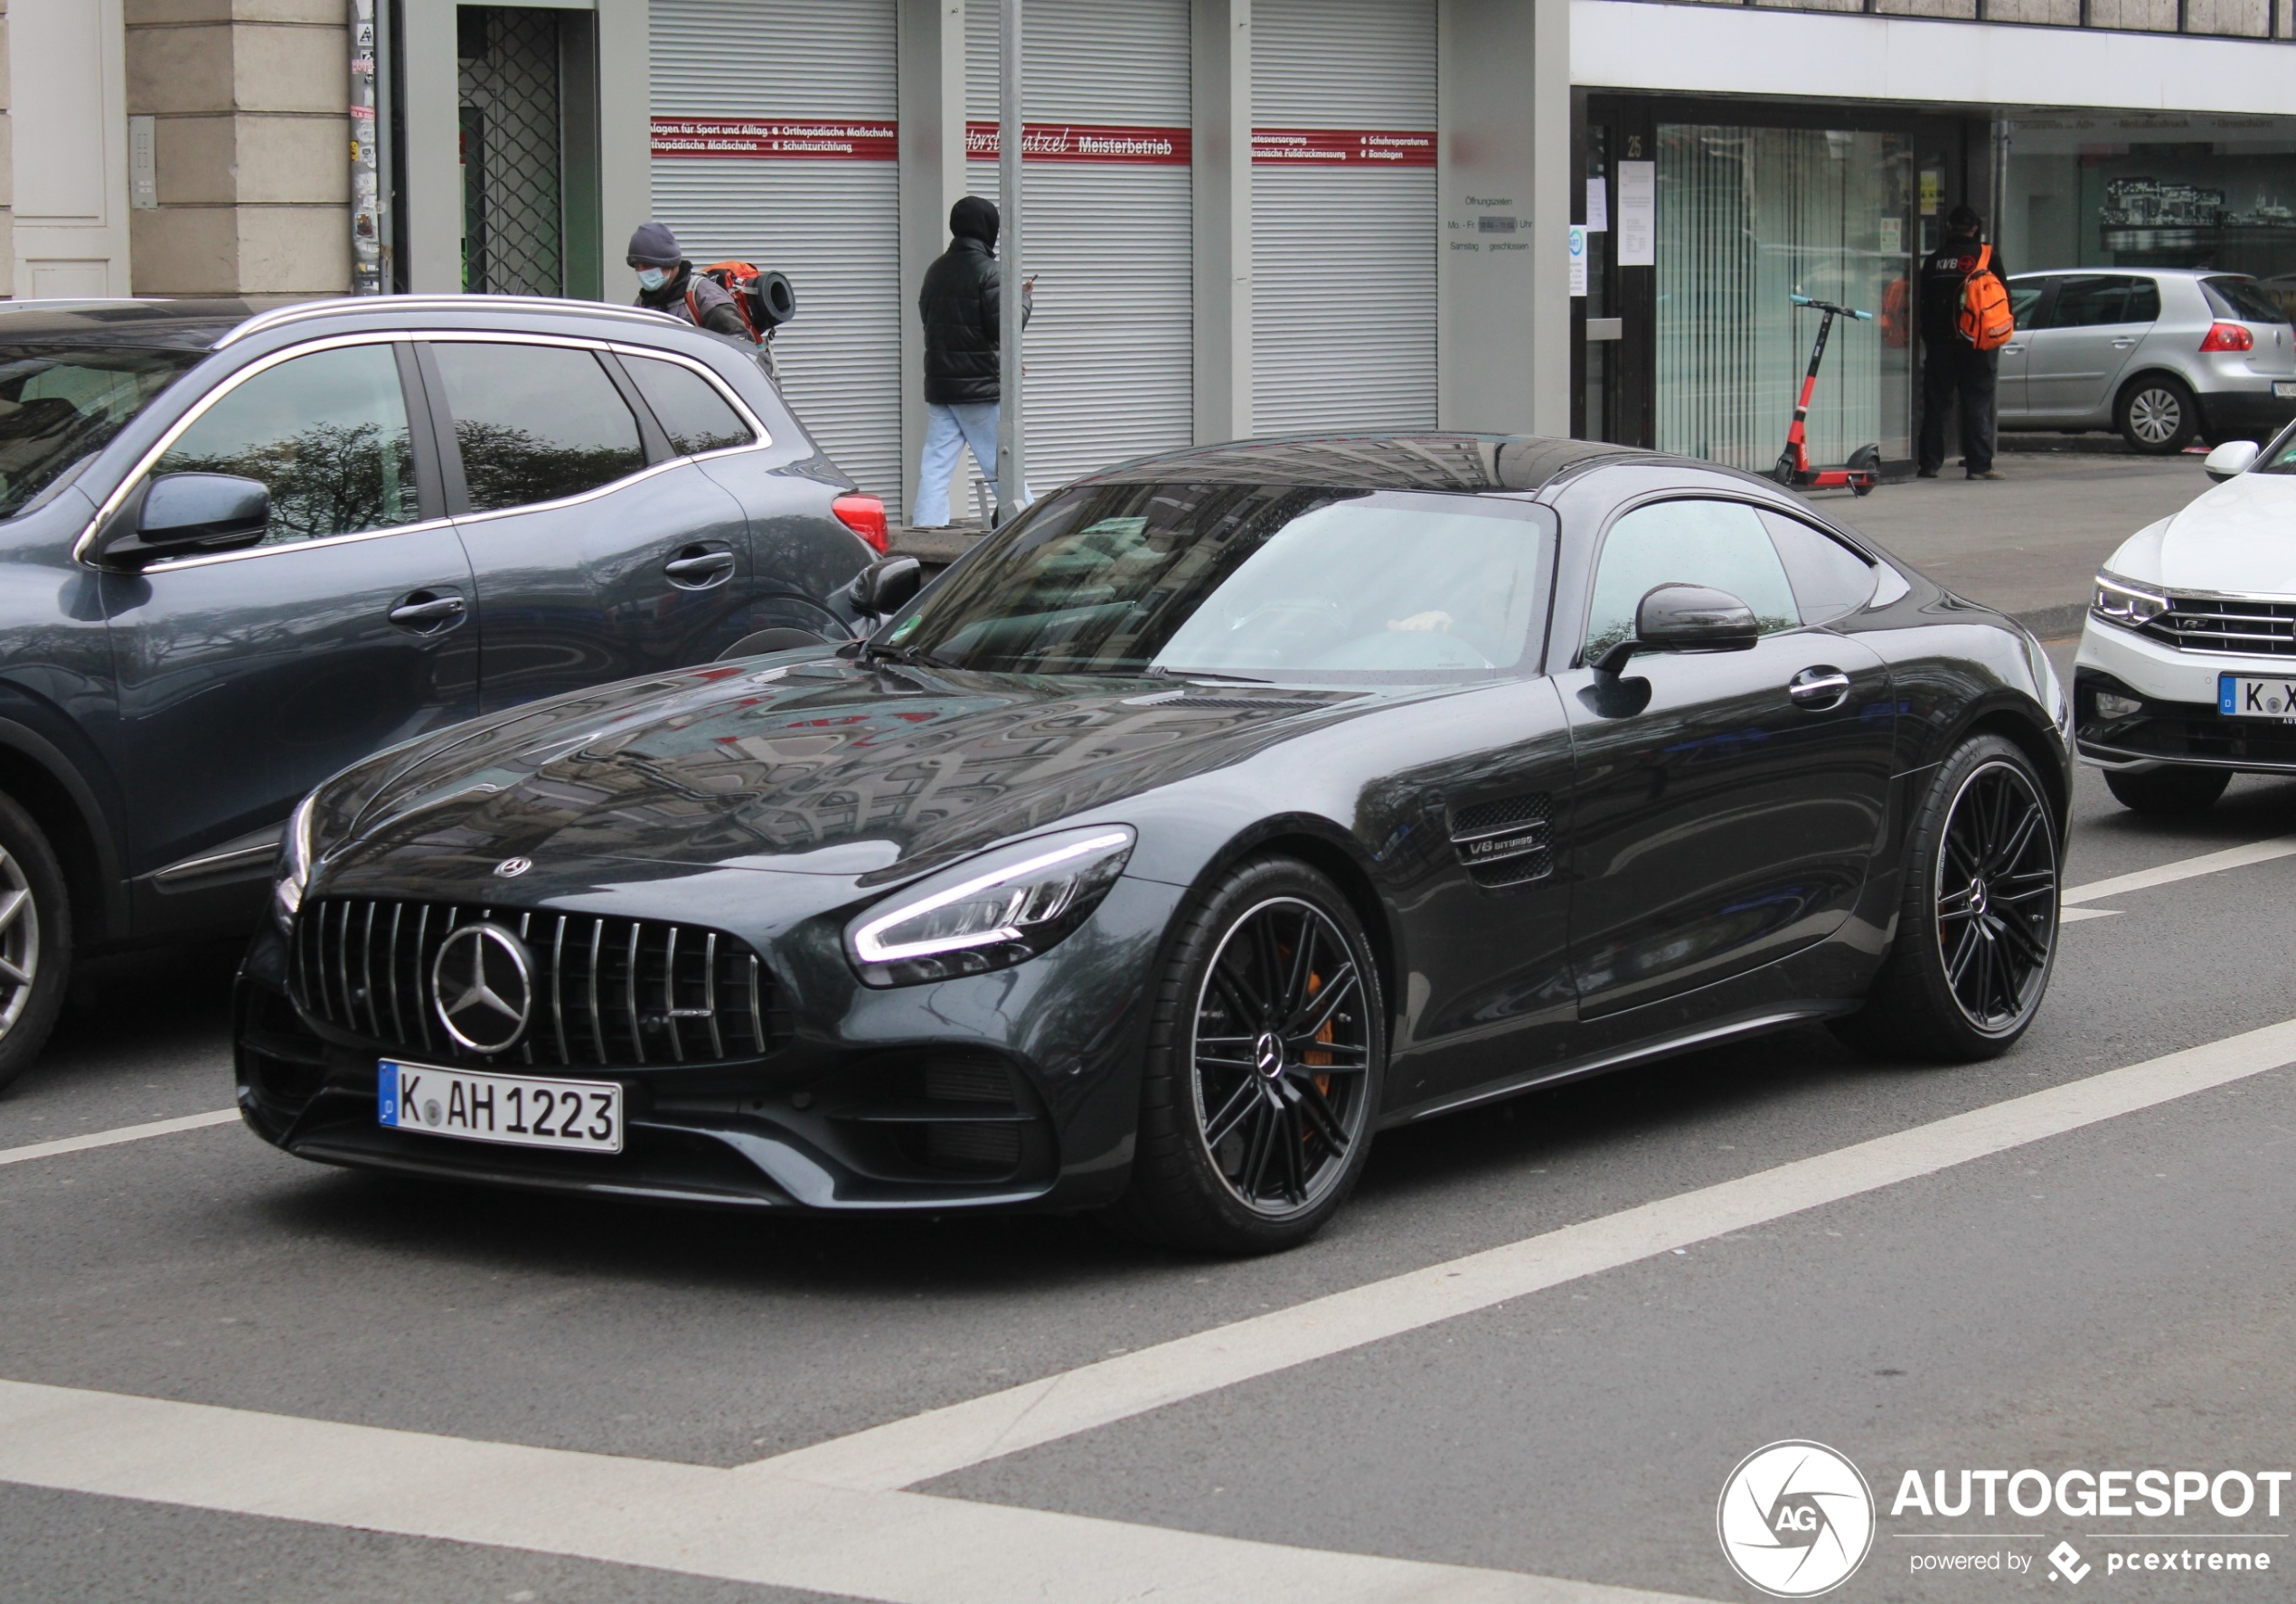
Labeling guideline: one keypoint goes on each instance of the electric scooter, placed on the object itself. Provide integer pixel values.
(1863, 470)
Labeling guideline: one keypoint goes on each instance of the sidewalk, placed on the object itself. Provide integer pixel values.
(2029, 544)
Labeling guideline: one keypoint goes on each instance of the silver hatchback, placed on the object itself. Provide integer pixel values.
(2162, 355)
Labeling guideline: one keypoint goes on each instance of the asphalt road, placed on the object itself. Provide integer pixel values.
(2088, 1289)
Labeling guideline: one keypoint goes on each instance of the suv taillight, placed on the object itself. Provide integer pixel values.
(2228, 336)
(865, 516)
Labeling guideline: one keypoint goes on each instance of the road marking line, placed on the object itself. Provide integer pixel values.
(107, 1139)
(903, 1453)
(2211, 862)
(2074, 916)
(904, 1548)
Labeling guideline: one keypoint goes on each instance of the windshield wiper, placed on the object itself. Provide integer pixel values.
(870, 652)
(1161, 672)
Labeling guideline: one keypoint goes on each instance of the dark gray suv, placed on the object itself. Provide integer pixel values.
(239, 551)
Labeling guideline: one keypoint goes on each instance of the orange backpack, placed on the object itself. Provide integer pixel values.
(1986, 322)
(764, 300)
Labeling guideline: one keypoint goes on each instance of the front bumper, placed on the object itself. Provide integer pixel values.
(1019, 1087)
(2177, 722)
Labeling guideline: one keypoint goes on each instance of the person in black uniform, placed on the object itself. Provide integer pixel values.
(1952, 369)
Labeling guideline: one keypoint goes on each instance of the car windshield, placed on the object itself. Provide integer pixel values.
(2243, 299)
(1253, 582)
(2280, 456)
(59, 406)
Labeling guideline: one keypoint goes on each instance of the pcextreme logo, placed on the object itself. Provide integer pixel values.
(1796, 1519)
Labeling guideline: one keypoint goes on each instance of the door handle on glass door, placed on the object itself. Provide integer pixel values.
(1819, 688)
(697, 568)
(426, 611)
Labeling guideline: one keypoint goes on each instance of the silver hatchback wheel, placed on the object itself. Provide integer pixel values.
(2155, 416)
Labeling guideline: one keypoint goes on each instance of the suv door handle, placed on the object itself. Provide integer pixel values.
(427, 611)
(1819, 689)
(697, 568)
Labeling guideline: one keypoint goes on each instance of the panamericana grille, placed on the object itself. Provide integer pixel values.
(1507, 842)
(605, 991)
(2219, 624)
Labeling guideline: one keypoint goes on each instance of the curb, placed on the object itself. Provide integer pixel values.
(2054, 623)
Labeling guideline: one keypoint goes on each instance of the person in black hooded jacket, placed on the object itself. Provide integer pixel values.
(961, 304)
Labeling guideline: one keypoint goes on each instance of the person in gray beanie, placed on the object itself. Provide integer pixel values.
(668, 283)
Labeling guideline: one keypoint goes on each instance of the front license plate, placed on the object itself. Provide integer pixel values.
(2284, 390)
(518, 1110)
(2244, 696)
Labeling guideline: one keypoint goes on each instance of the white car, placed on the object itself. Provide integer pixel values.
(2187, 674)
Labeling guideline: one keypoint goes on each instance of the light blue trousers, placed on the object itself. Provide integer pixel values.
(948, 431)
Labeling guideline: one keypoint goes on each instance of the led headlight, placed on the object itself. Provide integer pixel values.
(294, 871)
(2129, 606)
(989, 912)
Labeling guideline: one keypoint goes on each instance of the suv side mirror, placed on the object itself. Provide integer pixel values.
(2230, 459)
(1685, 618)
(177, 514)
(887, 585)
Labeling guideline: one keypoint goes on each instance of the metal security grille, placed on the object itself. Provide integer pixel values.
(605, 991)
(513, 225)
(1343, 259)
(833, 226)
(1111, 352)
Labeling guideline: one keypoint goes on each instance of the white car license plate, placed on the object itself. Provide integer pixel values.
(2244, 696)
(519, 1111)
(2284, 390)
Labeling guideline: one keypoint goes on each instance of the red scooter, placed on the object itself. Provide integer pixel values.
(1863, 470)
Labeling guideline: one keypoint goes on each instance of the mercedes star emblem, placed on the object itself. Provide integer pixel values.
(512, 868)
(483, 985)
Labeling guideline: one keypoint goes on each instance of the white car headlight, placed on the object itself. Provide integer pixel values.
(2128, 605)
(989, 912)
(293, 874)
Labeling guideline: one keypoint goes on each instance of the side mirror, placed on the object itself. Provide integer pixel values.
(2230, 461)
(177, 514)
(887, 585)
(1685, 618)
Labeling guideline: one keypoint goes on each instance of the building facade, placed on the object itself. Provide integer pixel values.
(1243, 216)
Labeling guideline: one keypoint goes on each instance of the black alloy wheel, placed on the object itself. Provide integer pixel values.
(2169, 789)
(2157, 415)
(1267, 1053)
(1976, 931)
(35, 939)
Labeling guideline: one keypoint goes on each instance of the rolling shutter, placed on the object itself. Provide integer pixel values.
(774, 143)
(1111, 352)
(1343, 214)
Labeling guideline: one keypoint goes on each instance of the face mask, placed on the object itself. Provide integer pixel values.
(652, 279)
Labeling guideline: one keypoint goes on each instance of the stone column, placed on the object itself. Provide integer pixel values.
(249, 100)
(1220, 45)
(932, 156)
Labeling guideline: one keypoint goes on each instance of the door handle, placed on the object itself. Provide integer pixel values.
(2012, 350)
(2122, 345)
(695, 570)
(1819, 689)
(427, 612)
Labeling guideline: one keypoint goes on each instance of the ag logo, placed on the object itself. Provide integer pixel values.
(1795, 1519)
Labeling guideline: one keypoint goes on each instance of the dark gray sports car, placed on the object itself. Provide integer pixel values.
(1225, 809)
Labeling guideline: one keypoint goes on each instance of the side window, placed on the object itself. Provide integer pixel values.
(2091, 300)
(327, 432)
(1717, 544)
(2144, 302)
(1829, 579)
(535, 423)
(2025, 303)
(689, 407)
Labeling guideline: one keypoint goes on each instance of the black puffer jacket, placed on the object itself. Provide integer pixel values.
(962, 305)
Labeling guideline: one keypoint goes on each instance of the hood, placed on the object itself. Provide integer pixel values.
(2239, 538)
(823, 767)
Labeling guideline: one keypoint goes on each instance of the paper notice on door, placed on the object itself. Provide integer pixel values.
(1578, 258)
(1637, 214)
(1598, 205)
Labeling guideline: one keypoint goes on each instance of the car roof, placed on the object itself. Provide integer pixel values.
(2194, 273)
(210, 324)
(1454, 462)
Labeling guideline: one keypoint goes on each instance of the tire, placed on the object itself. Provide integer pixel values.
(2168, 791)
(1235, 1156)
(1977, 925)
(35, 941)
(2157, 415)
